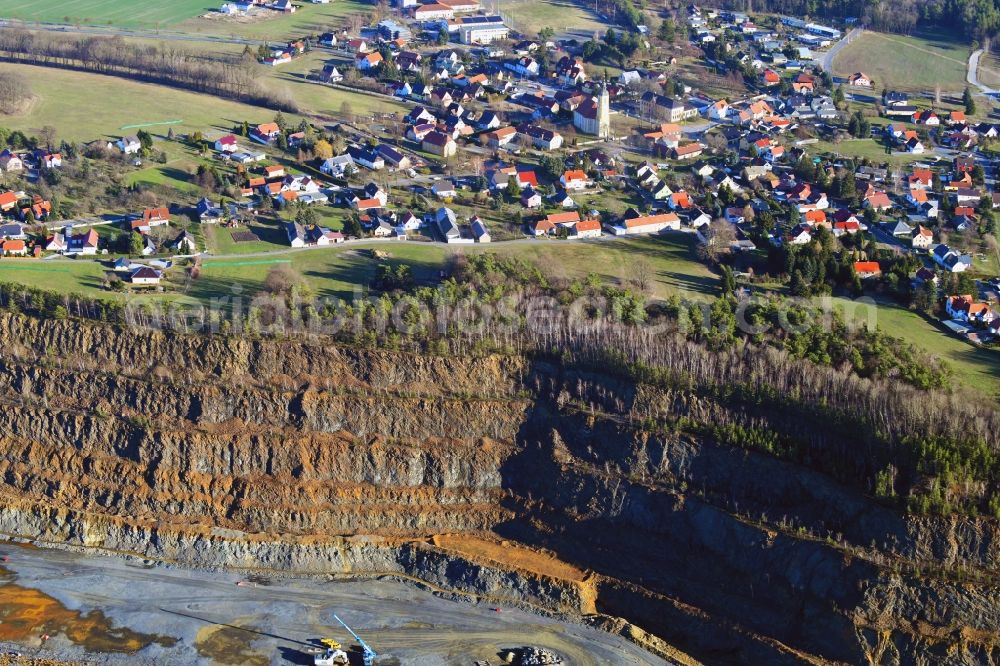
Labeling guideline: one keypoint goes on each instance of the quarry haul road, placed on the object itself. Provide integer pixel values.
(215, 620)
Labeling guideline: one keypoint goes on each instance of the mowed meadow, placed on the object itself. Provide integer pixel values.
(915, 63)
(103, 12)
(84, 107)
(184, 16)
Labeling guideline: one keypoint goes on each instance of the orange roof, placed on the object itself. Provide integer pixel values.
(160, 213)
(575, 174)
(920, 196)
(688, 149)
(268, 128)
(681, 199)
(365, 204)
(867, 267)
(501, 132)
(273, 169)
(879, 199)
(13, 245)
(562, 218)
(8, 199)
(651, 219)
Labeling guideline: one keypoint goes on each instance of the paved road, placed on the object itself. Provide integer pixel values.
(973, 73)
(825, 61)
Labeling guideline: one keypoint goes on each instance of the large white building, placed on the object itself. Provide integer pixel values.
(594, 115)
(482, 29)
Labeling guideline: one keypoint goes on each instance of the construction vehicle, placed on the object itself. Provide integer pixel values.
(333, 656)
(367, 654)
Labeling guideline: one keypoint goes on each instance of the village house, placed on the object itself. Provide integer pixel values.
(688, 152)
(440, 144)
(951, 260)
(965, 309)
(265, 133)
(226, 144)
(13, 248)
(867, 269)
(129, 145)
(922, 238)
(635, 223)
(447, 225)
(10, 162)
(586, 229)
(574, 180)
(479, 230)
(531, 198)
(500, 137)
(145, 275)
(543, 139)
(860, 80)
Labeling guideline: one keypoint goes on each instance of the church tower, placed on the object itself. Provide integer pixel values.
(604, 112)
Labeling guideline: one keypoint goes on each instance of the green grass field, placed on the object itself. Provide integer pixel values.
(906, 62)
(318, 98)
(104, 12)
(65, 277)
(973, 367)
(83, 107)
(864, 148)
(563, 16)
(310, 19)
(336, 270)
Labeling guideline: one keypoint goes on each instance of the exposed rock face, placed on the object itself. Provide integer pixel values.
(554, 487)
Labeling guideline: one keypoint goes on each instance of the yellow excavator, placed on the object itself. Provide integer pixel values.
(333, 656)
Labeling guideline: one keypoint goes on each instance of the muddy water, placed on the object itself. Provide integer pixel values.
(229, 645)
(26, 614)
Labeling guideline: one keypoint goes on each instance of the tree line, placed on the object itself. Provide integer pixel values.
(973, 19)
(237, 79)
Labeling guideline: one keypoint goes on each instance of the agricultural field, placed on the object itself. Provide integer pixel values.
(914, 63)
(103, 12)
(85, 106)
(310, 19)
(566, 18)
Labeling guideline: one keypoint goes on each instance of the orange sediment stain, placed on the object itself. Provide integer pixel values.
(26, 614)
